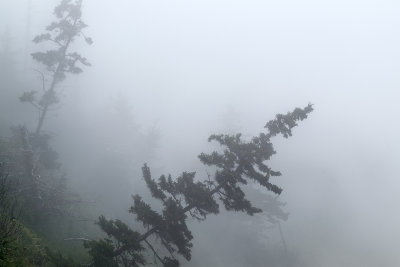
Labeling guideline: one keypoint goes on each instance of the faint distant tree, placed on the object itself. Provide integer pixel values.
(230, 120)
(59, 60)
(8, 79)
(240, 161)
(7, 60)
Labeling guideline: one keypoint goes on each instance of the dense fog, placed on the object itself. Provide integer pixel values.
(167, 74)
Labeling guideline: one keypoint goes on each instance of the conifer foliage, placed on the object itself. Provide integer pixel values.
(42, 183)
(238, 163)
(59, 61)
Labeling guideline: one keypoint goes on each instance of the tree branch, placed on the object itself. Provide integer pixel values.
(154, 251)
(43, 82)
(153, 230)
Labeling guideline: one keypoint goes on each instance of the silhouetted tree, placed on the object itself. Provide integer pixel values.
(240, 162)
(41, 184)
(58, 61)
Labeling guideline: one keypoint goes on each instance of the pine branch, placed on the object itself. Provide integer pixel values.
(153, 230)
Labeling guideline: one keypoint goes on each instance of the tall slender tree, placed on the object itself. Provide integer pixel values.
(42, 175)
(60, 60)
(240, 162)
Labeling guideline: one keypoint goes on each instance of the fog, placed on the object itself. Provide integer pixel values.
(167, 74)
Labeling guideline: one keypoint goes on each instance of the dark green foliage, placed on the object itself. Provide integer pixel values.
(239, 163)
(283, 124)
(18, 245)
(27, 250)
(144, 213)
(27, 223)
(56, 259)
(243, 160)
(37, 181)
(102, 253)
(196, 194)
(106, 251)
(10, 228)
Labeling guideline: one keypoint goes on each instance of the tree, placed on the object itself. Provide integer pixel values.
(39, 181)
(59, 61)
(238, 163)
(19, 245)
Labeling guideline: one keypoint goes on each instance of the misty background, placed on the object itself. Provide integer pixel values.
(167, 74)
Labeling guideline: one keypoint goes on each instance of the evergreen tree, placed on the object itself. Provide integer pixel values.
(240, 162)
(38, 179)
(58, 61)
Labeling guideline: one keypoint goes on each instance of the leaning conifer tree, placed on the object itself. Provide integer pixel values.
(60, 60)
(42, 184)
(239, 163)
